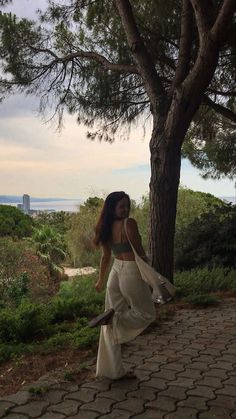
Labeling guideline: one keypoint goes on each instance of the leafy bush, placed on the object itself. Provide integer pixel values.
(11, 350)
(192, 204)
(202, 300)
(58, 340)
(13, 222)
(76, 300)
(59, 221)
(209, 240)
(24, 324)
(11, 256)
(17, 259)
(83, 288)
(65, 309)
(85, 337)
(13, 290)
(204, 280)
(80, 235)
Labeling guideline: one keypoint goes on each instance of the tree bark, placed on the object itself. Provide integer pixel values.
(164, 183)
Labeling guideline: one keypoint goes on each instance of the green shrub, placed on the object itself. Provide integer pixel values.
(80, 235)
(8, 326)
(85, 337)
(209, 240)
(65, 309)
(12, 350)
(61, 322)
(13, 222)
(13, 290)
(202, 300)
(57, 341)
(191, 205)
(20, 268)
(76, 298)
(82, 287)
(204, 280)
(32, 320)
(59, 220)
(28, 321)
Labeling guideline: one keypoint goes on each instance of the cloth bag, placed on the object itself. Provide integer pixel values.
(162, 289)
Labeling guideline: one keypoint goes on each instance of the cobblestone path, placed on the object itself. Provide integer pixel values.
(185, 369)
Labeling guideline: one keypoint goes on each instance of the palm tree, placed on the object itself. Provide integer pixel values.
(50, 247)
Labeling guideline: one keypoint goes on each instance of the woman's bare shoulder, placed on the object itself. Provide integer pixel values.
(132, 224)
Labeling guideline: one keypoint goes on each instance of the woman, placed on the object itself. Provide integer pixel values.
(128, 303)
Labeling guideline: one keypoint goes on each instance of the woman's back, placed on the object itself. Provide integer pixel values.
(120, 243)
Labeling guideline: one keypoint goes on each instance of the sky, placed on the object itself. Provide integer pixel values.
(37, 159)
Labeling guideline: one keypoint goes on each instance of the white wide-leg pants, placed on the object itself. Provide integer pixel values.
(130, 297)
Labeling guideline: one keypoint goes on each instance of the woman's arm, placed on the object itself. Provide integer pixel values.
(135, 238)
(104, 264)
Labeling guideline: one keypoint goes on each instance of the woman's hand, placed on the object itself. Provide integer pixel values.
(98, 286)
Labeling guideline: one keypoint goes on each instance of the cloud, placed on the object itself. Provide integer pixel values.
(36, 159)
(25, 8)
(142, 168)
(191, 178)
(19, 105)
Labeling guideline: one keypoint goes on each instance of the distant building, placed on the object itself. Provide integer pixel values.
(26, 204)
(25, 207)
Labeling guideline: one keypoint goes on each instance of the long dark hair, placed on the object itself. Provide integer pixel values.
(107, 217)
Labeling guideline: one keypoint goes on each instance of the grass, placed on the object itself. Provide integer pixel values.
(38, 391)
(205, 281)
(70, 375)
(202, 300)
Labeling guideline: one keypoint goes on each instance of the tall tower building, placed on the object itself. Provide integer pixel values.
(26, 203)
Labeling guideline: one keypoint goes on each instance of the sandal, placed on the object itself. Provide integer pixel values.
(102, 319)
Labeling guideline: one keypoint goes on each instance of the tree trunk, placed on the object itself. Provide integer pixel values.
(165, 175)
(171, 122)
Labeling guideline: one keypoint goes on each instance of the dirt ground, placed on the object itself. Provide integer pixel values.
(28, 368)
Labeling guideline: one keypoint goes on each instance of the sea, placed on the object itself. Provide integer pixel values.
(68, 205)
(72, 205)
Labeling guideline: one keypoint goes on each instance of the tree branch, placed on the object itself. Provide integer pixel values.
(203, 14)
(220, 93)
(222, 110)
(140, 53)
(208, 53)
(224, 20)
(91, 56)
(185, 44)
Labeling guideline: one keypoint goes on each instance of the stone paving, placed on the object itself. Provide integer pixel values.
(185, 369)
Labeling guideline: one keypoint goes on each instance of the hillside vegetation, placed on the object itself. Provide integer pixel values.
(41, 310)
